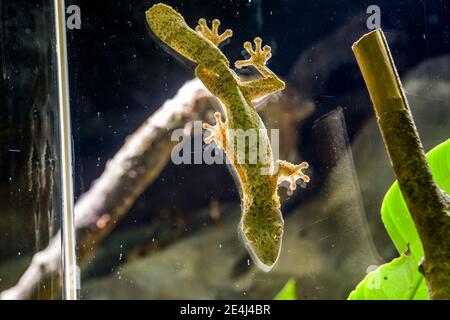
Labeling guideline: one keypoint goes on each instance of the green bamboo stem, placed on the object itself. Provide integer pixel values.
(428, 205)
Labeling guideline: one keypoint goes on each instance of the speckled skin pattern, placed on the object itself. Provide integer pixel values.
(261, 226)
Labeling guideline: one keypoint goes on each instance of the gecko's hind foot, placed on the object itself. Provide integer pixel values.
(291, 172)
(217, 131)
(259, 56)
(212, 34)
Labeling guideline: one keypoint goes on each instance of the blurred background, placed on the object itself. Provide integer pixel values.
(179, 238)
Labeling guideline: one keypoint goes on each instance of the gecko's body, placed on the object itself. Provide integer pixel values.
(261, 224)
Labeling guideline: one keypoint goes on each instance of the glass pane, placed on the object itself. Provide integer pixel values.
(157, 219)
(179, 237)
(29, 159)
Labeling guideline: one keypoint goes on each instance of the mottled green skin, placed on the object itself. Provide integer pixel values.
(169, 26)
(262, 223)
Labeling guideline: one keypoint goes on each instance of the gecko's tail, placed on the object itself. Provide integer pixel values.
(154, 24)
(166, 25)
(160, 17)
(171, 28)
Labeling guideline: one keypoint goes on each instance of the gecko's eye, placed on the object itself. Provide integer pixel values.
(278, 232)
(249, 235)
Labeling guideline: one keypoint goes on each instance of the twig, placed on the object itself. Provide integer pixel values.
(428, 205)
(133, 168)
(137, 164)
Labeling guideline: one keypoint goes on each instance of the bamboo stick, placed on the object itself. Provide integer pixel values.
(429, 206)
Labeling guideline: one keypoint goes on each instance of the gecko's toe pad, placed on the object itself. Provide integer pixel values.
(212, 34)
(291, 172)
(258, 56)
(217, 131)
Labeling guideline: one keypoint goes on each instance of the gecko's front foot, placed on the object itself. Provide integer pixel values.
(259, 56)
(212, 34)
(291, 172)
(217, 131)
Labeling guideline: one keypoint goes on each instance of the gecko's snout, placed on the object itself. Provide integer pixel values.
(262, 235)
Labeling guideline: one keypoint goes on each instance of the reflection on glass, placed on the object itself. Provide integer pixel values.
(30, 166)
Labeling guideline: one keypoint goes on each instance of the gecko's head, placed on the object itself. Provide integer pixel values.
(160, 17)
(261, 229)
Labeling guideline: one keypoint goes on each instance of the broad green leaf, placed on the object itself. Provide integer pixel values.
(395, 214)
(400, 278)
(396, 280)
(439, 160)
(289, 291)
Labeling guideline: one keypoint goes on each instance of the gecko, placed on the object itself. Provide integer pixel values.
(261, 225)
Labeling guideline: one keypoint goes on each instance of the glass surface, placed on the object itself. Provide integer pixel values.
(30, 166)
(150, 228)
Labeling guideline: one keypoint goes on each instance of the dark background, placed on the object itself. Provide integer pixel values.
(119, 75)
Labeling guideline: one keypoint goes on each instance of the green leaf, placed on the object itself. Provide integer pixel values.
(400, 278)
(396, 280)
(395, 214)
(289, 291)
(439, 160)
